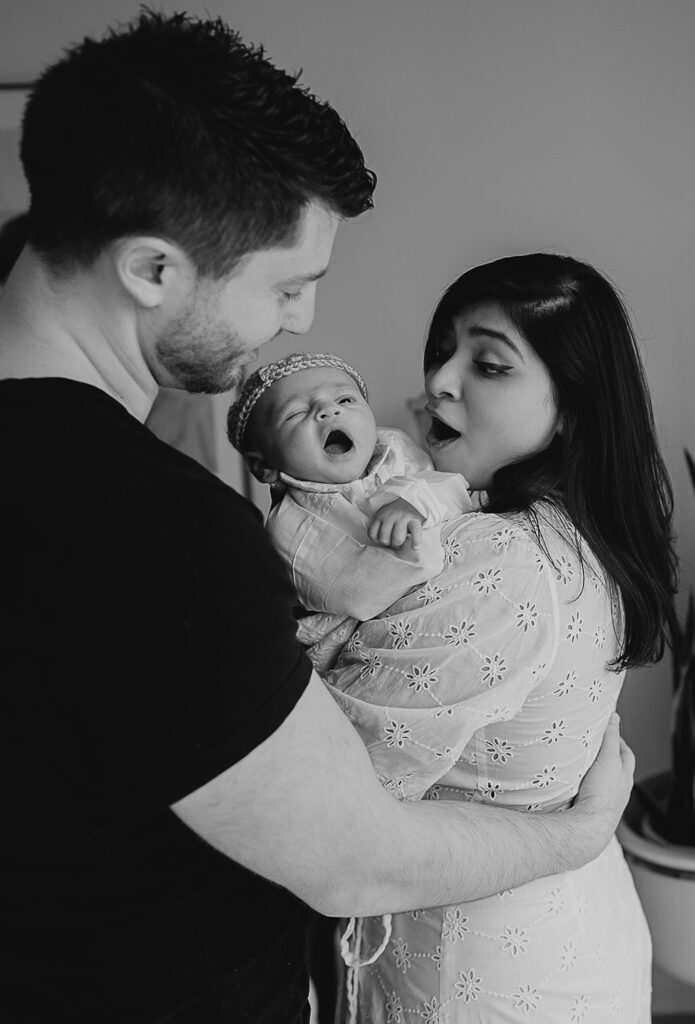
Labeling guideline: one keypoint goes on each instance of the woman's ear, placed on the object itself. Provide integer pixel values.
(259, 467)
(152, 269)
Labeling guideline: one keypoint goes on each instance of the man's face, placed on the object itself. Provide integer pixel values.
(222, 324)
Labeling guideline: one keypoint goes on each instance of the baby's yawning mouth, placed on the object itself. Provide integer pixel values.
(337, 443)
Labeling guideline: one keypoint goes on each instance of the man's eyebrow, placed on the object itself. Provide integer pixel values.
(478, 331)
(306, 278)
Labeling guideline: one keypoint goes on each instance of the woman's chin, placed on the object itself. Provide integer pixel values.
(447, 461)
(446, 456)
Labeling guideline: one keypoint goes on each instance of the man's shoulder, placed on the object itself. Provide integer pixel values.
(102, 471)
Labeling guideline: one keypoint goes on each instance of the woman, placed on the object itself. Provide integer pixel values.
(494, 682)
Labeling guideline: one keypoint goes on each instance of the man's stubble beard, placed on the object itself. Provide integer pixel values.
(201, 357)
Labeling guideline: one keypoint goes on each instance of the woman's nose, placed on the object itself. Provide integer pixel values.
(444, 381)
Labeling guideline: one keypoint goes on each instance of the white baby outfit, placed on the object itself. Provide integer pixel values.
(489, 683)
(321, 532)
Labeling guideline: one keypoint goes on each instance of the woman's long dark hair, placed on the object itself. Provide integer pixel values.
(604, 469)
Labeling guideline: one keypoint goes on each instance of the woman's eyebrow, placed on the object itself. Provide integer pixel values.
(478, 331)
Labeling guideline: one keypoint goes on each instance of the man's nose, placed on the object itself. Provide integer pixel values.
(300, 315)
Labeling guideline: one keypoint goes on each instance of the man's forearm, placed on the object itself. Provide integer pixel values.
(449, 852)
(305, 810)
(442, 852)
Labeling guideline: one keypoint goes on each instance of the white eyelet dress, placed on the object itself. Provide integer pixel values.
(490, 684)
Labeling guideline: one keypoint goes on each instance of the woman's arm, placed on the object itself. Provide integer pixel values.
(305, 810)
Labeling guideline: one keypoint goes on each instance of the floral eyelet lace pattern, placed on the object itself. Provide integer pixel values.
(489, 683)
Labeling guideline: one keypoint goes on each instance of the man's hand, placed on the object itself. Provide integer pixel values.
(395, 523)
(606, 787)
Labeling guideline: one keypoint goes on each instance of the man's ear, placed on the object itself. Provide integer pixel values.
(151, 269)
(259, 467)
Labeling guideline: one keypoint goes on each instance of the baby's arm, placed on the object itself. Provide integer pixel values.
(335, 566)
(403, 505)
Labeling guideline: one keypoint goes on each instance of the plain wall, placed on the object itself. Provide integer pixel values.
(495, 127)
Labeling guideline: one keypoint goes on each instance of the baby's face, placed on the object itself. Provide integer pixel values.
(315, 425)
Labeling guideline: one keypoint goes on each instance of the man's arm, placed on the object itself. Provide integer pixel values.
(305, 810)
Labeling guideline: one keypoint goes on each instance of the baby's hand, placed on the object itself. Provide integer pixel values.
(395, 523)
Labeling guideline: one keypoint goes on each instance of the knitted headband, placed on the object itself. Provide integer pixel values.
(265, 376)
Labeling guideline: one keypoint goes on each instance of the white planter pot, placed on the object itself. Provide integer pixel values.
(664, 877)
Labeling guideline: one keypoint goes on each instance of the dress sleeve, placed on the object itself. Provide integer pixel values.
(459, 653)
(336, 568)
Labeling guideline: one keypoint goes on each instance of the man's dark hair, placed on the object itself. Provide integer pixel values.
(604, 468)
(174, 127)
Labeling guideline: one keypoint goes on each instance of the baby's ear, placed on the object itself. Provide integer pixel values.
(260, 468)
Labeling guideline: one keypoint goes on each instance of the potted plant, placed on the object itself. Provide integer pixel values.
(658, 828)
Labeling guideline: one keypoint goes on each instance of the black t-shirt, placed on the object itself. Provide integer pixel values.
(148, 644)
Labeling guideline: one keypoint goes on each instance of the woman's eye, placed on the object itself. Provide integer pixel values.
(491, 369)
(346, 400)
(292, 296)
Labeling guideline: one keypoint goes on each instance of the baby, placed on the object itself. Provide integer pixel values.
(358, 508)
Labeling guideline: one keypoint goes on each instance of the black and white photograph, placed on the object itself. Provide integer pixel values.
(347, 448)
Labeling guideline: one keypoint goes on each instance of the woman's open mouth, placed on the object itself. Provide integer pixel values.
(440, 433)
(337, 443)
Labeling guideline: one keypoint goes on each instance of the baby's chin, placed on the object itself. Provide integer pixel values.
(334, 470)
(345, 474)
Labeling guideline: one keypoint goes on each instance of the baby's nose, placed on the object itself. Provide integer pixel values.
(328, 409)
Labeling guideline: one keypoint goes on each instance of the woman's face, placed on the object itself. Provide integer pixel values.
(490, 397)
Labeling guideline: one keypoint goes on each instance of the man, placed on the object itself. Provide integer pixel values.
(178, 784)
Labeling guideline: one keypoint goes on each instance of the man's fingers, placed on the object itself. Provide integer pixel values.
(611, 737)
(613, 744)
(627, 756)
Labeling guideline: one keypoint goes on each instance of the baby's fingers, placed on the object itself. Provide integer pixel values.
(381, 531)
(415, 531)
(399, 533)
(373, 530)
